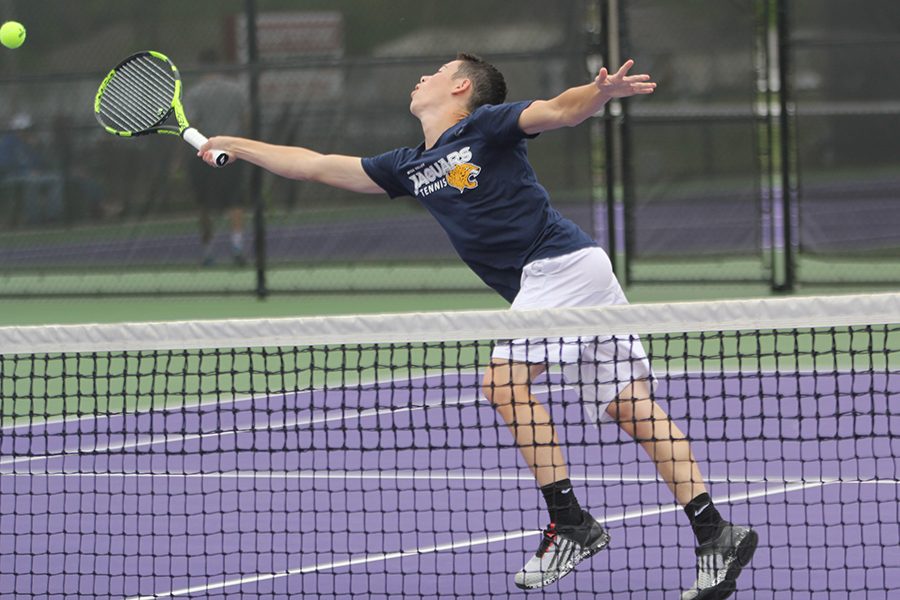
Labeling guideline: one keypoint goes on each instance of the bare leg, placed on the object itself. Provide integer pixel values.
(206, 226)
(644, 420)
(723, 549)
(206, 234)
(508, 386)
(573, 534)
(236, 219)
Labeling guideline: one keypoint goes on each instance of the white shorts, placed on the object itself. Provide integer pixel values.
(598, 367)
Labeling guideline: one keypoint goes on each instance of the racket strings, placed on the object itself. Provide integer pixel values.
(150, 83)
(139, 95)
(145, 92)
(127, 106)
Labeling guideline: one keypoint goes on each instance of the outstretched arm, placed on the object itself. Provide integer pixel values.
(336, 170)
(578, 103)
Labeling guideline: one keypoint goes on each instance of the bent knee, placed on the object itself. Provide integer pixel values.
(497, 393)
(506, 384)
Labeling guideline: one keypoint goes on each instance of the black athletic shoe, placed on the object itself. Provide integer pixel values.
(560, 550)
(720, 561)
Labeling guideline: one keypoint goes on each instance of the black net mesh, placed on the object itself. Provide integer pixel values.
(386, 468)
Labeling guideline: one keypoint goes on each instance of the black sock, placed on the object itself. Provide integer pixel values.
(562, 503)
(705, 519)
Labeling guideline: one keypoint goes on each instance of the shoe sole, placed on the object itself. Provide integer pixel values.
(745, 550)
(601, 543)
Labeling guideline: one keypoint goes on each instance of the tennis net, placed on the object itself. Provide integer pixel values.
(359, 455)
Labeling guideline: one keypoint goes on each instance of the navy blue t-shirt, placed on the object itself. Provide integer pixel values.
(479, 185)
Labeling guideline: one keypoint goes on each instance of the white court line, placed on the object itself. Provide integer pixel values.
(167, 438)
(342, 416)
(635, 514)
(205, 403)
(141, 411)
(517, 476)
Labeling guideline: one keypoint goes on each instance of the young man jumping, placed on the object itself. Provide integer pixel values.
(473, 175)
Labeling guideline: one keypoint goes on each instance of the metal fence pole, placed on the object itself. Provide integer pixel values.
(259, 227)
(767, 145)
(784, 101)
(609, 165)
(624, 47)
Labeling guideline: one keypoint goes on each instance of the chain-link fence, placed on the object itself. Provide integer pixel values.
(690, 156)
(98, 213)
(707, 180)
(846, 109)
(769, 152)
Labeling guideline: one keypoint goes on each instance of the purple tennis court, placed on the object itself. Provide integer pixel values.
(414, 488)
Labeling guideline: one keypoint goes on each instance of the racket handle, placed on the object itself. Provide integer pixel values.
(197, 139)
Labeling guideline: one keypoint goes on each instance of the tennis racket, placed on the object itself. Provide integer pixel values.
(140, 96)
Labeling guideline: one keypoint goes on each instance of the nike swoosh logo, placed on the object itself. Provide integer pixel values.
(569, 490)
(704, 507)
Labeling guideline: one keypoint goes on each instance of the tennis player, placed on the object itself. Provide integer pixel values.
(219, 104)
(472, 173)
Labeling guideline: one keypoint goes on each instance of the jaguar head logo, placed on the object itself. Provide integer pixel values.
(463, 176)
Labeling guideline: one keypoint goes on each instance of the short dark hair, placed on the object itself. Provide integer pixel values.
(488, 85)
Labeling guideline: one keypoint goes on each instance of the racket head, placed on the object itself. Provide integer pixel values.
(139, 95)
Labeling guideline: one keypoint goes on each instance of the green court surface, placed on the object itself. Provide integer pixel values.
(110, 296)
(225, 280)
(61, 310)
(186, 293)
(140, 308)
(112, 310)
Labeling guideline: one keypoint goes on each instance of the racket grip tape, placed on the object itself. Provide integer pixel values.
(197, 139)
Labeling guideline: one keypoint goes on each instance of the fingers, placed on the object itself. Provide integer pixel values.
(622, 74)
(623, 70)
(207, 157)
(621, 85)
(205, 152)
(644, 89)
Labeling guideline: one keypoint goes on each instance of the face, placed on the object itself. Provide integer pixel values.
(435, 87)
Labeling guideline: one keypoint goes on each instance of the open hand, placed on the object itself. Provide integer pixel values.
(621, 85)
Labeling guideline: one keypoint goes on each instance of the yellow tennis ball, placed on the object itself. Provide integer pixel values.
(12, 34)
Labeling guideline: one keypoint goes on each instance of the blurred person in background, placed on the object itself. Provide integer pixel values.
(218, 103)
(25, 169)
(72, 156)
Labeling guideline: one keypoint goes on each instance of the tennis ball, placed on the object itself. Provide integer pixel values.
(12, 34)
